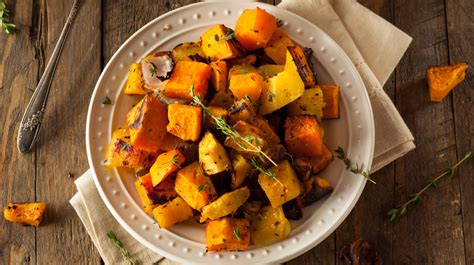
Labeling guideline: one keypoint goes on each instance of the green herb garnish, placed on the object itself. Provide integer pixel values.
(118, 244)
(356, 170)
(202, 187)
(236, 233)
(106, 101)
(7, 27)
(153, 69)
(243, 71)
(229, 35)
(415, 198)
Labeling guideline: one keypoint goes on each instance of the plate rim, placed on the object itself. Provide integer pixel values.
(153, 247)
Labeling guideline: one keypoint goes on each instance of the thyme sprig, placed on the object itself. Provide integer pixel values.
(118, 244)
(358, 170)
(230, 131)
(7, 27)
(415, 198)
(236, 233)
(265, 171)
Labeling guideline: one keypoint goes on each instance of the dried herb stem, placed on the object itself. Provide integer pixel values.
(7, 27)
(118, 244)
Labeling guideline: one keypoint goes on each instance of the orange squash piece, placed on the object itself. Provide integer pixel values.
(172, 142)
(227, 233)
(135, 81)
(254, 28)
(194, 187)
(219, 75)
(298, 59)
(246, 130)
(314, 189)
(185, 74)
(276, 47)
(185, 121)
(25, 213)
(331, 100)
(172, 212)
(442, 79)
(250, 85)
(303, 136)
(263, 125)
(217, 44)
(151, 197)
(147, 124)
(165, 165)
(317, 163)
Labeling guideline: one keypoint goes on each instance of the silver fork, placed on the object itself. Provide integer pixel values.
(30, 124)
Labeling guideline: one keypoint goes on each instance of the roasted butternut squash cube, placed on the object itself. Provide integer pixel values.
(311, 103)
(284, 187)
(241, 168)
(269, 226)
(121, 153)
(271, 70)
(303, 136)
(25, 213)
(241, 69)
(172, 142)
(331, 102)
(212, 155)
(276, 46)
(254, 28)
(222, 99)
(135, 81)
(269, 132)
(249, 132)
(242, 110)
(442, 79)
(301, 63)
(185, 121)
(194, 187)
(188, 51)
(217, 44)
(247, 85)
(152, 196)
(219, 75)
(314, 189)
(250, 59)
(230, 234)
(226, 204)
(187, 74)
(316, 163)
(172, 212)
(147, 124)
(166, 164)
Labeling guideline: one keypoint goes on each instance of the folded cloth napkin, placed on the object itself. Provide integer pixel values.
(374, 45)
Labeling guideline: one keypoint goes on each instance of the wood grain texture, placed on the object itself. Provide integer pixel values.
(18, 77)
(430, 233)
(461, 39)
(62, 238)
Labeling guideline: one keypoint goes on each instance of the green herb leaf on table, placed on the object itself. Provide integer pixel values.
(358, 170)
(106, 101)
(118, 244)
(7, 27)
(415, 198)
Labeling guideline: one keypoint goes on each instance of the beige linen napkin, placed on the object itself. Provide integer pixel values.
(374, 46)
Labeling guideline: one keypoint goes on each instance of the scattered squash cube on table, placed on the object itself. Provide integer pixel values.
(25, 213)
(442, 79)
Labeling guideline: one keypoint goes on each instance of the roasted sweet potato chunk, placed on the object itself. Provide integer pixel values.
(247, 85)
(152, 196)
(222, 99)
(217, 44)
(135, 82)
(314, 189)
(212, 155)
(25, 213)
(219, 75)
(165, 165)
(442, 79)
(188, 51)
(226, 204)
(276, 47)
(254, 28)
(254, 135)
(263, 125)
(303, 136)
(311, 103)
(241, 168)
(269, 226)
(317, 163)
(186, 74)
(302, 65)
(194, 187)
(227, 234)
(147, 124)
(184, 121)
(172, 212)
(331, 102)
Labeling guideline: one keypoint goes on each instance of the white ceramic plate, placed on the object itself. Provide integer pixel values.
(185, 243)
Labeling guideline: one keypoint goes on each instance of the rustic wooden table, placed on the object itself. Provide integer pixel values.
(439, 231)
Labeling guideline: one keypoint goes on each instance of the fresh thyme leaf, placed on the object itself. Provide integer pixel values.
(243, 71)
(153, 69)
(358, 170)
(7, 27)
(106, 101)
(415, 198)
(229, 35)
(236, 233)
(202, 187)
(118, 244)
(279, 22)
(263, 170)
(175, 161)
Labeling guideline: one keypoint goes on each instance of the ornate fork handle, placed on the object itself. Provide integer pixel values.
(32, 118)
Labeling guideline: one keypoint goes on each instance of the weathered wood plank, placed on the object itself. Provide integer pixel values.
(62, 239)
(461, 38)
(435, 220)
(18, 77)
